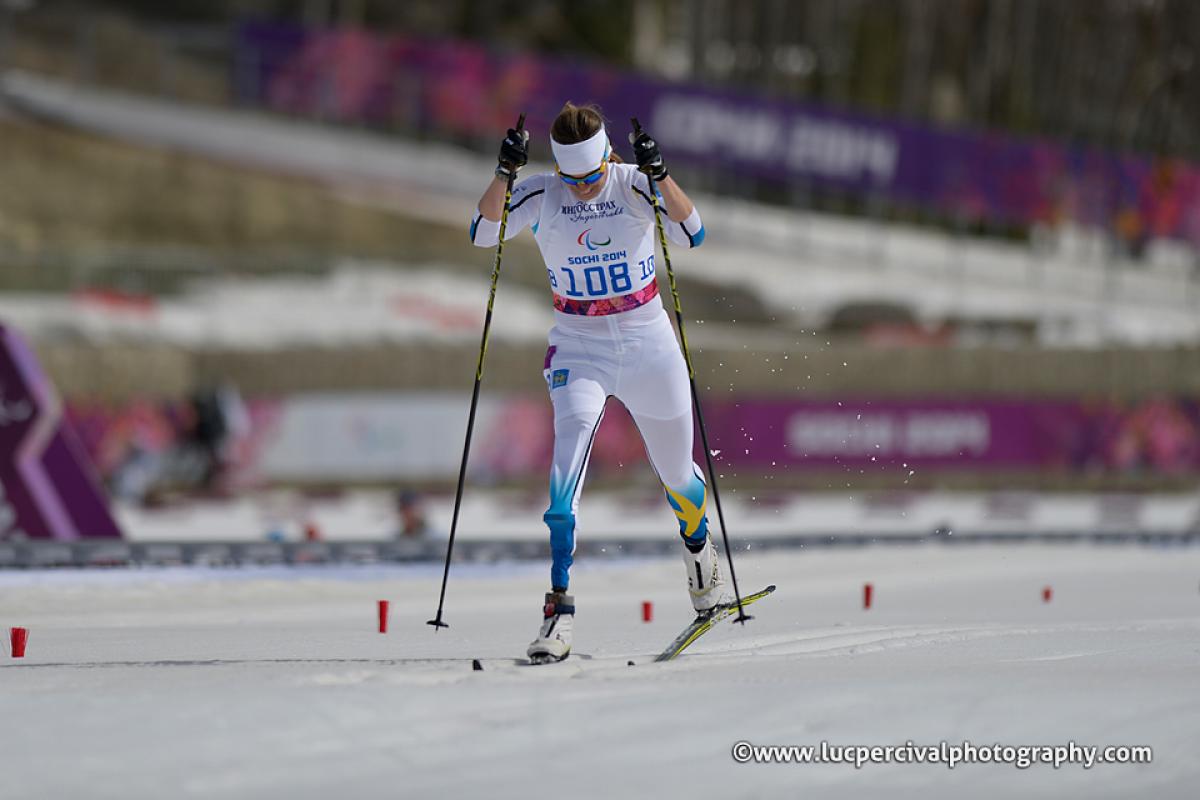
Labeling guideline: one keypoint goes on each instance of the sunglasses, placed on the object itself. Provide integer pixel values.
(586, 180)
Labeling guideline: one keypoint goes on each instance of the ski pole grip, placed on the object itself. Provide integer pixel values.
(521, 122)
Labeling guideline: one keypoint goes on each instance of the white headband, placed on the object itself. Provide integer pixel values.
(581, 158)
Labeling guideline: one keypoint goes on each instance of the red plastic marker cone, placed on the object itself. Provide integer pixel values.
(1047, 594)
(647, 611)
(868, 591)
(383, 616)
(20, 636)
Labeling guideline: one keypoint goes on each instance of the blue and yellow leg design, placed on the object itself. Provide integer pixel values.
(690, 506)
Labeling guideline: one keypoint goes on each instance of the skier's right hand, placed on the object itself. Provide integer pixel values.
(514, 153)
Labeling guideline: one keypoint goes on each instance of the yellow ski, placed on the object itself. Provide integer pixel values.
(704, 623)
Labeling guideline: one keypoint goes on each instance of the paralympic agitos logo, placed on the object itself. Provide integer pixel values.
(585, 240)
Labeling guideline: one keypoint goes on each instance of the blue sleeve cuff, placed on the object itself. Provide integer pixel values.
(693, 228)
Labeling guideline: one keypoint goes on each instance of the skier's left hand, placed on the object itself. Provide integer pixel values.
(649, 158)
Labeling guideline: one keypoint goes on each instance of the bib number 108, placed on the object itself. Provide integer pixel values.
(597, 281)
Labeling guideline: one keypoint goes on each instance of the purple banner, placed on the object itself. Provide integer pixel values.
(47, 489)
(1159, 436)
(460, 89)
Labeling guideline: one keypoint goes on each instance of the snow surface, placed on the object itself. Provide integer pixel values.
(359, 302)
(258, 683)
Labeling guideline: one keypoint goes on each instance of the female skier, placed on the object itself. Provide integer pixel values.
(594, 223)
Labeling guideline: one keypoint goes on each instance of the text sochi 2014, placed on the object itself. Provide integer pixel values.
(805, 144)
(931, 433)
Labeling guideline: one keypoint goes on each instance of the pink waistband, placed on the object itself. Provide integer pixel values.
(609, 305)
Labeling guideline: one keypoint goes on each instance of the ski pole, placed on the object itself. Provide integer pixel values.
(436, 622)
(687, 357)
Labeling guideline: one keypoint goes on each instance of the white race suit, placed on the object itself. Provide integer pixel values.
(611, 337)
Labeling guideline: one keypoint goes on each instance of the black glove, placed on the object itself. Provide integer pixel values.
(649, 159)
(514, 152)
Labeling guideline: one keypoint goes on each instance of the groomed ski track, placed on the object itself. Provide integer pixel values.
(273, 681)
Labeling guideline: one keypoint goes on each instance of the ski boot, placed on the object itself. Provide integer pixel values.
(706, 586)
(553, 642)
